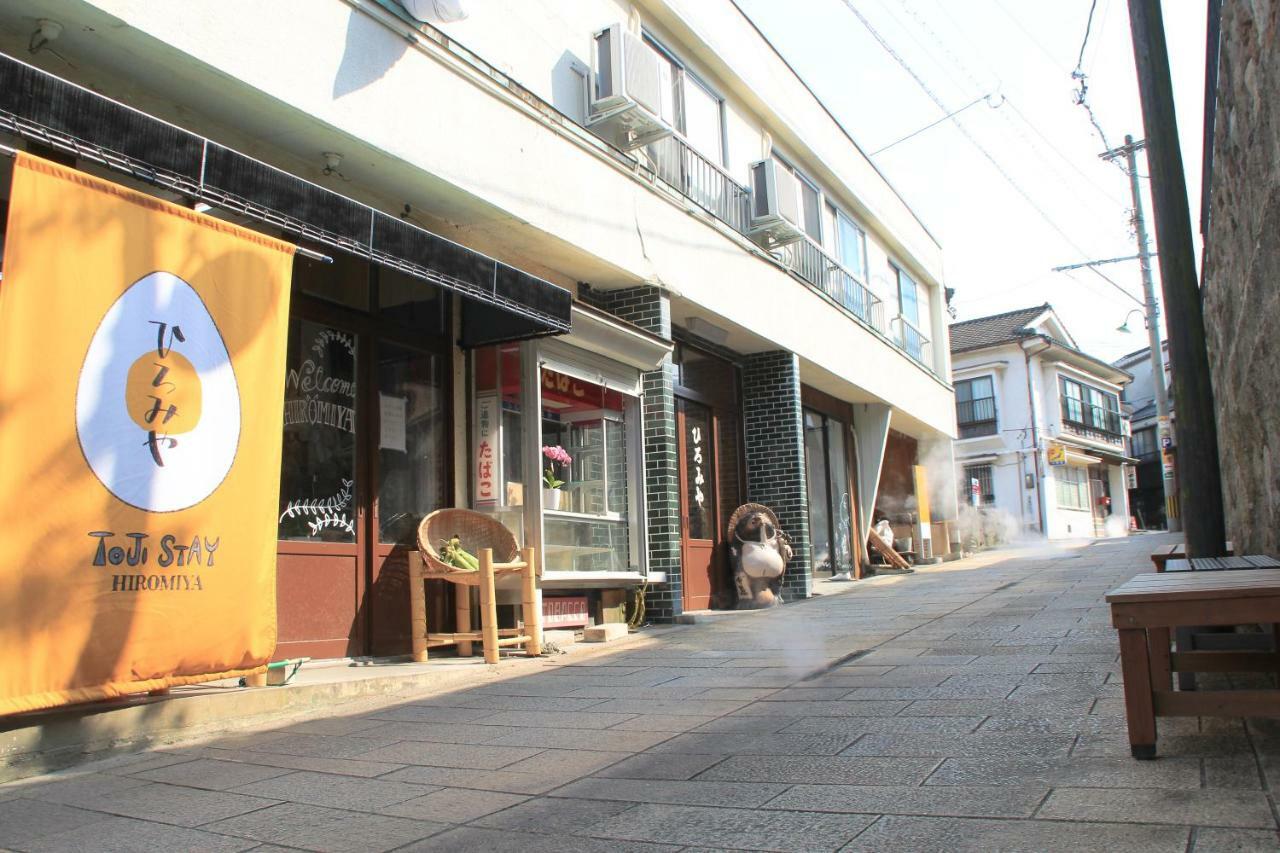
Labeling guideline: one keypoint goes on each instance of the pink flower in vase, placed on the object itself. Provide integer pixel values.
(556, 455)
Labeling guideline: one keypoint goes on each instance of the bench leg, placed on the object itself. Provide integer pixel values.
(1139, 707)
(1158, 654)
(1185, 643)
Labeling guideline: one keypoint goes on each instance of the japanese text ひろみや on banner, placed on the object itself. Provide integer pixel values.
(142, 351)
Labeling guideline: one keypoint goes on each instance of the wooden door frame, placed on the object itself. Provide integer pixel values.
(370, 329)
(713, 450)
(308, 310)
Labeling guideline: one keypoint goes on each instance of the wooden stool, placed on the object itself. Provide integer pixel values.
(487, 535)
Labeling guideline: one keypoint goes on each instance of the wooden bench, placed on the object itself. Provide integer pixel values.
(1150, 606)
(1160, 559)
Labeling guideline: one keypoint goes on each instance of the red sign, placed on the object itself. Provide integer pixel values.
(564, 611)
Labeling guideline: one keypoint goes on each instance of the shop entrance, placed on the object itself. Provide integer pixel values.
(709, 448)
(699, 530)
(366, 450)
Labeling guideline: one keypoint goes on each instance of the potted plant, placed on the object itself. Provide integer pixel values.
(551, 484)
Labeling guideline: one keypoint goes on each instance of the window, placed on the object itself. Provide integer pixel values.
(986, 486)
(976, 407)
(831, 508)
(690, 106)
(703, 119)
(851, 245)
(1072, 486)
(587, 527)
(1143, 443)
(1090, 408)
(908, 297)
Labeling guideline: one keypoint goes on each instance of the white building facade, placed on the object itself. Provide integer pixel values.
(756, 314)
(1042, 437)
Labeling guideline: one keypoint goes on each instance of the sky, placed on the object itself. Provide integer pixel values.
(1048, 200)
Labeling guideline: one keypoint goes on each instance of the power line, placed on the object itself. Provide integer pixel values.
(1030, 35)
(1066, 159)
(1088, 27)
(973, 140)
(915, 133)
(963, 67)
(1082, 93)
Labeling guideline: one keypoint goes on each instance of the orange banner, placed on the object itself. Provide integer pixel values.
(142, 351)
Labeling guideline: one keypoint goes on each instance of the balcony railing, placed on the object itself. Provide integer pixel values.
(976, 417)
(1092, 421)
(678, 165)
(912, 341)
(807, 260)
(701, 181)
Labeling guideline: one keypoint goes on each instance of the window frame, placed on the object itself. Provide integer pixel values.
(1080, 487)
(994, 420)
(986, 486)
(688, 77)
(838, 244)
(1087, 407)
(1152, 450)
(899, 275)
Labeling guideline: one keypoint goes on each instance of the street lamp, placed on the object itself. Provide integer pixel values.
(1124, 327)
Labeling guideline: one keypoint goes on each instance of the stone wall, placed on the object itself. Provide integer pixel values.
(1242, 282)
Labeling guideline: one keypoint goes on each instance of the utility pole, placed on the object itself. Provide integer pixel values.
(1164, 429)
(1201, 480)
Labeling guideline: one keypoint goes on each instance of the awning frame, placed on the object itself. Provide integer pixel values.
(41, 107)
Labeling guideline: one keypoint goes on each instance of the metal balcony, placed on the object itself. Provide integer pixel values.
(710, 187)
(701, 181)
(808, 261)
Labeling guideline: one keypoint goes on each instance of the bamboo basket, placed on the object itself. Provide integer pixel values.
(499, 554)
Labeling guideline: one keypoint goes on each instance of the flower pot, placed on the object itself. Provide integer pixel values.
(551, 498)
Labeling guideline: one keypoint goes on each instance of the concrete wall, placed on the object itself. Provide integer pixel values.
(1241, 299)
(508, 180)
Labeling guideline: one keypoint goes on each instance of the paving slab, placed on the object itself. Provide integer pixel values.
(969, 801)
(450, 754)
(733, 829)
(473, 839)
(738, 743)
(1241, 809)
(1211, 840)
(1091, 772)
(827, 770)
(23, 821)
(174, 804)
(330, 789)
(945, 745)
(210, 774)
(696, 793)
(453, 805)
(124, 835)
(325, 829)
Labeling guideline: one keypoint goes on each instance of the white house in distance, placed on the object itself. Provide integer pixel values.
(1041, 432)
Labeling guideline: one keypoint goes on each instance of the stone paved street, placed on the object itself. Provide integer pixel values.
(974, 706)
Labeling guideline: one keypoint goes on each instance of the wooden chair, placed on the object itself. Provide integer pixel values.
(499, 555)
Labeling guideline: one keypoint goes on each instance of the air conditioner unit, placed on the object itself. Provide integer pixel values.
(775, 206)
(626, 101)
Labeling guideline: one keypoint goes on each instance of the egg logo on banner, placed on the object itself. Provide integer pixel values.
(157, 406)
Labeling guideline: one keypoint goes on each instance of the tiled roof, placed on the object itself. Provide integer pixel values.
(990, 331)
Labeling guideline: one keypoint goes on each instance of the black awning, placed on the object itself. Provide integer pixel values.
(53, 111)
